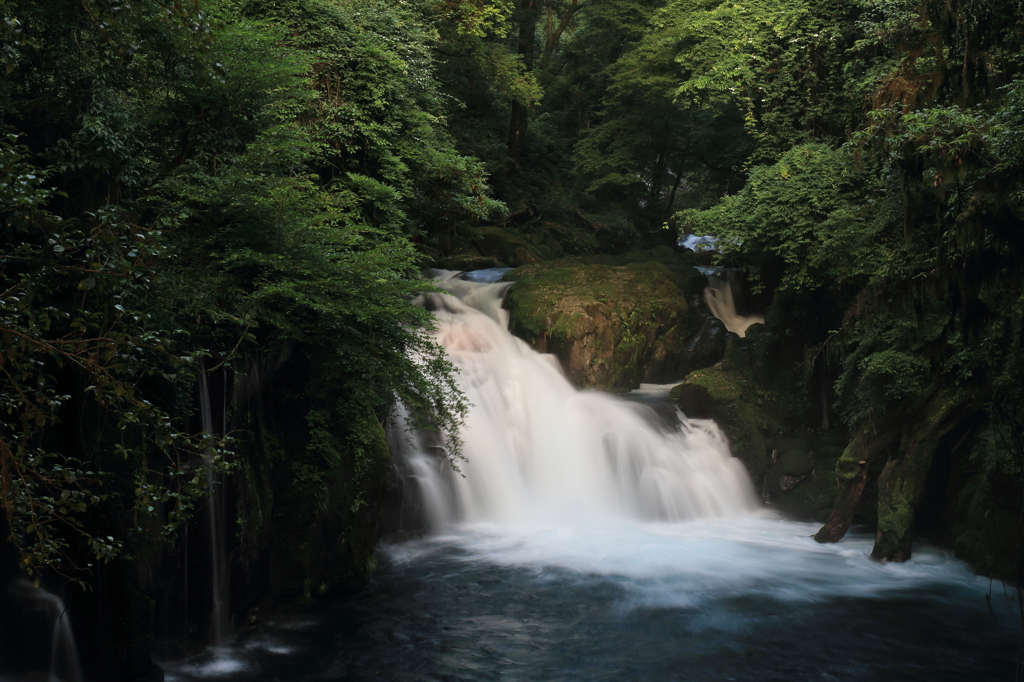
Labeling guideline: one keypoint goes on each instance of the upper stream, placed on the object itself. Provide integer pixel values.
(594, 537)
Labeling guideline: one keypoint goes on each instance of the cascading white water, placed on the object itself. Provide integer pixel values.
(64, 664)
(722, 301)
(540, 452)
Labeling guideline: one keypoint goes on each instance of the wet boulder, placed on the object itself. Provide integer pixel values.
(812, 498)
(468, 261)
(778, 483)
(706, 346)
(731, 399)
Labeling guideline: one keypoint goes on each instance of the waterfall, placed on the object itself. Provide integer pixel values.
(539, 451)
(720, 296)
(219, 616)
(64, 663)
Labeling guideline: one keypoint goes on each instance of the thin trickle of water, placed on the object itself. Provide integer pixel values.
(539, 452)
(219, 616)
(64, 662)
(721, 299)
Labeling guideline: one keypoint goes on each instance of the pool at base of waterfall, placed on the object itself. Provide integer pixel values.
(747, 598)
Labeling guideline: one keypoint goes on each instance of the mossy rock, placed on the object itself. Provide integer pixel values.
(771, 427)
(752, 452)
(742, 421)
(787, 444)
(470, 261)
(780, 484)
(760, 342)
(832, 439)
(811, 496)
(796, 463)
(712, 393)
(728, 398)
(693, 400)
(612, 325)
(828, 452)
(722, 385)
(736, 352)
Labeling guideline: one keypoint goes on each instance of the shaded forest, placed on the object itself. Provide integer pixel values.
(215, 216)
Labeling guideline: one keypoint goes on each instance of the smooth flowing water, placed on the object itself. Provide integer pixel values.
(63, 661)
(743, 599)
(720, 296)
(539, 452)
(590, 537)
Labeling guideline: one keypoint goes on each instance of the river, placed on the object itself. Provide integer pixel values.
(591, 537)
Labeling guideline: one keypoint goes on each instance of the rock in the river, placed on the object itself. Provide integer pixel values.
(779, 483)
(732, 400)
(795, 462)
(706, 346)
(468, 261)
(814, 494)
(613, 324)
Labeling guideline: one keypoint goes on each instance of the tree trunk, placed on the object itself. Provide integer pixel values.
(519, 119)
(852, 475)
(555, 34)
(517, 124)
(902, 481)
(675, 187)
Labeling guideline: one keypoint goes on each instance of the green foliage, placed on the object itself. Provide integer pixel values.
(218, 192)
(646, 145)
(814, 210)
(782, 63)
(68, 323)
(912, 216)
(986, 527)
(236, 186)
(477, 18)
(378, 113)
(888, 202)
